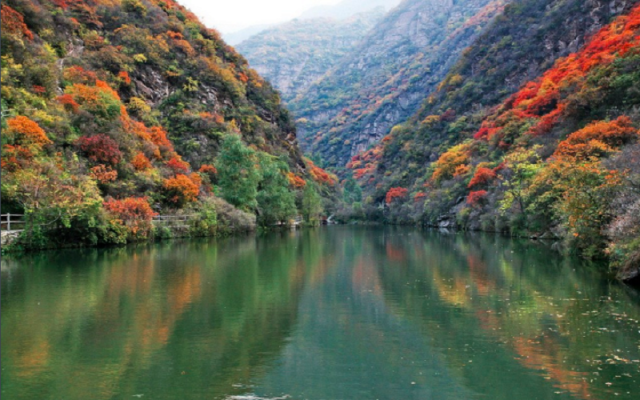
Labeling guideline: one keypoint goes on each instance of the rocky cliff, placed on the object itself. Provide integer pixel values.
(385, 79)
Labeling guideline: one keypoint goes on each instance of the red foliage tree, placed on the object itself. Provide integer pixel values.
(101, 148)
(177, 165)
(13, 22)
(482, 177)
(476, 197)
(68, 102)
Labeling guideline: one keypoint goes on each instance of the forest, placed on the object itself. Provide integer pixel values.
(555, 157)
(117, 112)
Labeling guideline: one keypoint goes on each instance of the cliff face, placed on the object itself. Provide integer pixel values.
(295, 55)
(385, 79)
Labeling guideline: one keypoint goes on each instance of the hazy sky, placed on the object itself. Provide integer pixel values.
(232, 15)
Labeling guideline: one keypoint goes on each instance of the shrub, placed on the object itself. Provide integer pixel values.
(101, 148)
(181, 190)
(134, 213)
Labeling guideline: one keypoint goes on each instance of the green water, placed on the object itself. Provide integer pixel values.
(336, 313)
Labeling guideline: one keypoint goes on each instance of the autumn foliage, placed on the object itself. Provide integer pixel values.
(476, 197)
(178, 166)
(296, 181)
(27, 132)
(101, 148)
(135, 213)
(104, 173)
(598, 139)
(182, 189)
(482, 177)
(321, 176)
(140, 162)
(396, 194)
(13, 22)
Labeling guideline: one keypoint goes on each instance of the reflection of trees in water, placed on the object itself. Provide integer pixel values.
(175, 320)
(533, 303)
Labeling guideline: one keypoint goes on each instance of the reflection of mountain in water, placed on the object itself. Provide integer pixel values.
(338, 313)
(513, 308)
(348, 345)
(180, 320)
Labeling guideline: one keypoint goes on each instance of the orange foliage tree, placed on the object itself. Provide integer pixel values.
(182, 189)
(598, 139)
(295, 181)
(134, 213)
(140, 162)
(104, 173)
(396, 194)
(449, 162)
(26, 132)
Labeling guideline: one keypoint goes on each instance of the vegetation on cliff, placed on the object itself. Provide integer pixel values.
(558, 157)
(114, 111)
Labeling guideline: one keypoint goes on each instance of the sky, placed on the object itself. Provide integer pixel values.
(229, 16)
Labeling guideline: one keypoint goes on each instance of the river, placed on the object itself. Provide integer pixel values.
(332, 313)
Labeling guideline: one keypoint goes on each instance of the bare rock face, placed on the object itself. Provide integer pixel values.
(385, 80)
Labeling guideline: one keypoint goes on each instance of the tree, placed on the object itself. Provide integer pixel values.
(520, 169)
(238, 176)
(352, 191)
(182, 189)
(276, 202)
(311, 205)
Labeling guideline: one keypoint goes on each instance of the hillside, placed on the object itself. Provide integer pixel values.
(294, 55)
(114, 111)
(384, 81)
(552, 152)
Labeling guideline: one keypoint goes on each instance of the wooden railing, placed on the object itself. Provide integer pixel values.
(173, 220)
(12, 222)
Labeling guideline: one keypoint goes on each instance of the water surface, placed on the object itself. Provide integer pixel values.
(336, 313)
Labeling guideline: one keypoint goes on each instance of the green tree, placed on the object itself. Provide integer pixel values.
(352, 192)
(276, 202)
(311, 205)
(238, 176)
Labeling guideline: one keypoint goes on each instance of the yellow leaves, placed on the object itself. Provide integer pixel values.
(448, 162)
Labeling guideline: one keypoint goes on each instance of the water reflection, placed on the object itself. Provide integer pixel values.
(339, 313)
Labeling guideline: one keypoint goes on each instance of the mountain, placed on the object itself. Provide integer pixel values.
(347, 8)
(116, 110)
(385, 79)
(237, 37)
(294, 55)
(534, 131)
